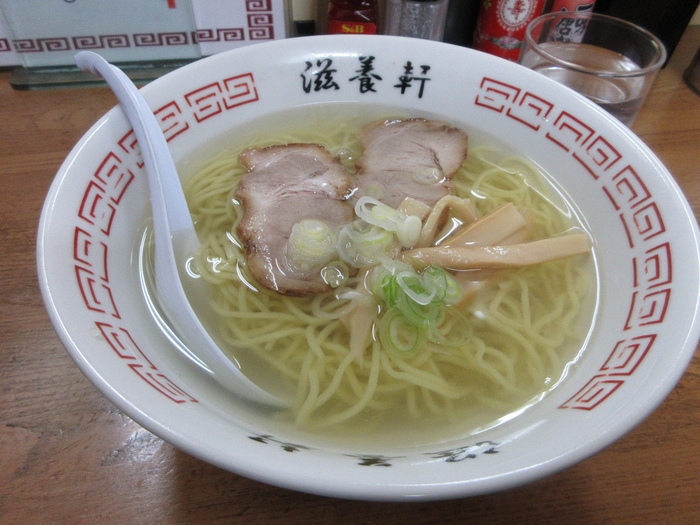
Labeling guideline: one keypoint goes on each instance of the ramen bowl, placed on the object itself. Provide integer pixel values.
(645, 249)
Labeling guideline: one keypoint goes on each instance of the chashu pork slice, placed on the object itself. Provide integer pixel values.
(409, 158)
(285, 185)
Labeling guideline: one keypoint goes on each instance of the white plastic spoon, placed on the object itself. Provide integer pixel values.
(175, 238)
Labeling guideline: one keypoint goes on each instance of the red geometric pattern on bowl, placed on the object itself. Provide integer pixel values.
(620, 182)
(99, 205)
(219, 96)
(637, 211)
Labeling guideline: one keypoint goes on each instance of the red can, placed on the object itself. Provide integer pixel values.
(500, 27)
(575, 6)
(570, 32)
(354, 17)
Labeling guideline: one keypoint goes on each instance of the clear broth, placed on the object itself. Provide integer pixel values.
(391, 430)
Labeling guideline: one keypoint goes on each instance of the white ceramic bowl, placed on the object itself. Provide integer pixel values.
(646, 251)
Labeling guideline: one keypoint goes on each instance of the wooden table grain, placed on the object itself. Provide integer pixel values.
(67, 455)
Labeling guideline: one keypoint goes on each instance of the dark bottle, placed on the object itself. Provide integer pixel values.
(461, 21)
(355, 17)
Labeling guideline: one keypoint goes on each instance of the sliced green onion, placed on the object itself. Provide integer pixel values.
(311, 245)
(378, 278)
(375, 192)
(406, 227)
(376, 213)
(362, 245)
(375, 279)
(420, 313)
(435, 278)
(446, 287)
(391, 290)
(394, 266)
(416, 305)
(335, 274)
(399, 335)
(415, 313)
(408, 232)
(414, 287)
(381, 212)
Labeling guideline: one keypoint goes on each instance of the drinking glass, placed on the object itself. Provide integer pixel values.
(610, 61)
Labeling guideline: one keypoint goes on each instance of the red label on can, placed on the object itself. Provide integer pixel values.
(569, 30)
(500, 29)
(351, 28)
(577, 6)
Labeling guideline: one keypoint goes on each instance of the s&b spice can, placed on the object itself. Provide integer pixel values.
(354, 17)
(500, 28)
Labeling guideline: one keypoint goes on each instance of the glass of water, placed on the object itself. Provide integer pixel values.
(610, 61)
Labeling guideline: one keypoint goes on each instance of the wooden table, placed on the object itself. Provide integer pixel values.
(68, 455)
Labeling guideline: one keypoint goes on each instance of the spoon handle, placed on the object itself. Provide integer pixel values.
(174, 234)
(154, 148)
